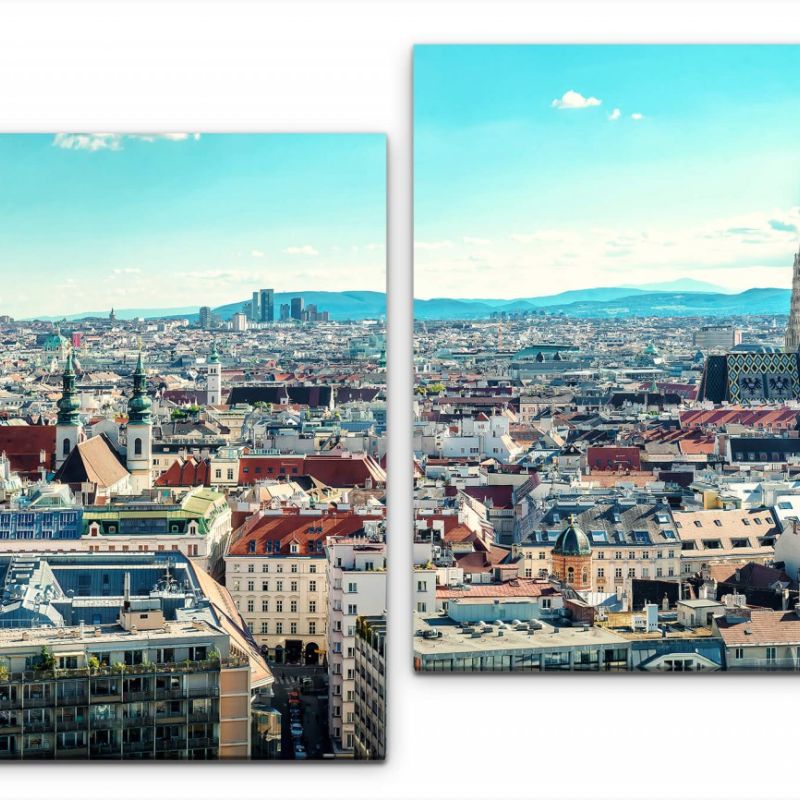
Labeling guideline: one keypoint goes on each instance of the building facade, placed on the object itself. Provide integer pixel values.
(356, 570)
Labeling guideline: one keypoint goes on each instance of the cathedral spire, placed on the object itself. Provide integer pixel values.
(69, 404)
(140, 404)
(793, 325)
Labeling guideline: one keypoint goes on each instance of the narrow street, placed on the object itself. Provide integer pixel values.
(314, 708)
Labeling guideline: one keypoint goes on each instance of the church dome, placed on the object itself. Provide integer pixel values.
(572, 541)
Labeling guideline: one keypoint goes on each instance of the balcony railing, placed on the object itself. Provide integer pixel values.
(130, 670)
(765, 664)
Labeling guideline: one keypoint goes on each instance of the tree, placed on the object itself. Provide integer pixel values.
(47, 661)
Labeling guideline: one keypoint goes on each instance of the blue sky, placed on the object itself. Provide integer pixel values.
(544, 168)
(91, 221)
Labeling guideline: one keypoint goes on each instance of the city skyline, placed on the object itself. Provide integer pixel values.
(225, 212)
(567, 167)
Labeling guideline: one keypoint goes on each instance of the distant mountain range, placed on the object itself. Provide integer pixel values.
(617, 302)
(671, 299)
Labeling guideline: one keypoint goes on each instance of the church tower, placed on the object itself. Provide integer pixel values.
(214, 378)
(793, 326)
(69, 430)
(140, 431)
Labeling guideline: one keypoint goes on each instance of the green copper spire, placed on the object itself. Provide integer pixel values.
(69, 404)
(213, 357)
(140, 404)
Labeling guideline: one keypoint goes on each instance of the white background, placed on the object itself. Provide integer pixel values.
(346, 66)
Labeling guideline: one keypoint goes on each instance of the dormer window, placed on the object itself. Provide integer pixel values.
(294, 547)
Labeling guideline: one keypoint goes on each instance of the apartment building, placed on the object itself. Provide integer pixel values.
(275, 570)
(369, 731)
(356, 569)
(759, 638)
(196, 525)
(725, 536)
(143, 688)
(628, 538)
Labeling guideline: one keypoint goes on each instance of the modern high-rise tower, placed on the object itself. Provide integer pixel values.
(255, 308)
(267, 305)
(297, 308)
(793, 326)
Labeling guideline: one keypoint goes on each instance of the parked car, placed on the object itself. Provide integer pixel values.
(296, 729)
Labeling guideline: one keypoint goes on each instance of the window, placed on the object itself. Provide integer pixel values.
(772, 653)
(422, 586)
(738, 652)
(294, 568)
(250, 586)
(218, 474)
(312, 607)
(547, 603)
(542, 555)
(279, 628)
(279, 567)
(230, 474)
(313, 567)
(618, 572)
(659, 572)
(601, 573)
(137, 446)
(292, 627)
(265, 606)
(631, 572)
(618, 555)
(279, 586)
(352, 609)
(421, 608)
(293, 586)
(312, 586)
(264, 627)
(65, 448)
(279, 606)
(352, 587)
(250, 606)
(265, 567)
(251, 567)
(312, 627)
(264, 586)
(293, 606)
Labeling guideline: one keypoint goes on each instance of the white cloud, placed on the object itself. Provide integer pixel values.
(257, 253)
(433, 245)
(88, 141)
(573, 99)
(127, 271)
(301, 250)
(113, 141)
(615, 115)
(637, 116)
(477, 241)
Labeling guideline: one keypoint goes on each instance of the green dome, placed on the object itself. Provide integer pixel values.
(572, 541)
